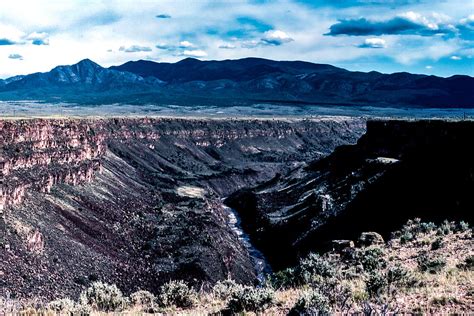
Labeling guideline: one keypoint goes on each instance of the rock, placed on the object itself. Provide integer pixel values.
(348, 254)
(35, 242)
(341, 244)
(370, 238)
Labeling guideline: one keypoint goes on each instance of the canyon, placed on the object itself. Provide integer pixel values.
(398, 170)
(138, 201)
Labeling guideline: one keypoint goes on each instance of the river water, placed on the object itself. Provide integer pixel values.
(261, 265)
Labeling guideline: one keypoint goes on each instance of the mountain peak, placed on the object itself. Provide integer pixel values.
(189, 60)
(88, 63)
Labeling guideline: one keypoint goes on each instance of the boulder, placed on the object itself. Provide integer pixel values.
(341, 244)
(370, 238)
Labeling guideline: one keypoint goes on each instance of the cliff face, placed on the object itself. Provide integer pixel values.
(39, 154)
(102, 199)
(398, 170)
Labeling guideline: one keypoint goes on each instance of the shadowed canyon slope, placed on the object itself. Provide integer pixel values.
(138, 201)
(396, 171)
(237, 82)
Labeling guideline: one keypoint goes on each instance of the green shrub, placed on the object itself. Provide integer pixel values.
(104, 297)
(145, 300)
(468, 263)
(251, 299)
(446, 228)
(371, 258)
(314, 267)
(412, 229)
(433, 266)
(437, 244)
(311, 302)
(397, 275)
(224, 289)
(427, 227)
(178, 294)
(463, 226)
(284, 279)
(406, 237)
(376, 283)
(82, 310)
(62, 306)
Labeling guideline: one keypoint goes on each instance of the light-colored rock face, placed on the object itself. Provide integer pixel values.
(38, 154)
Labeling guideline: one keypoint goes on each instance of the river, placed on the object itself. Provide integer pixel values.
(261, 265)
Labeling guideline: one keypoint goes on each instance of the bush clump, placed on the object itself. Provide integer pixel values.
(144, 300)
(104, 297)
(376, 284)
(313, 268)
(251, 299)
(412, 229)
(311, 302)
(468, 263)
(437, 244)
(178, 294)
(398, 275)
(284, 279)
(371, 258)
(432, 266)
(224, 289)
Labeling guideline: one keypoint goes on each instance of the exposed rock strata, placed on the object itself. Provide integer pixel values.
(102, 194)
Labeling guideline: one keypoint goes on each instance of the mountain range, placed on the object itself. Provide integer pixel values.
(237, 82)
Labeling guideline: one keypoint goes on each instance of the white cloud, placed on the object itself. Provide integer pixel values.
(193, 53)
(185, 44)
(276, 37)
(429, 67)
(454, 57)
(432, 21)
(469, 19)
(374, 42)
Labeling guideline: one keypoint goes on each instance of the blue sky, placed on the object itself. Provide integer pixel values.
(432, 37)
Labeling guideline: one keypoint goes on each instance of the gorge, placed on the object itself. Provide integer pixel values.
(103, 199)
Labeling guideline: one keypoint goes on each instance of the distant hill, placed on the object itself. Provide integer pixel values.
(243, 81)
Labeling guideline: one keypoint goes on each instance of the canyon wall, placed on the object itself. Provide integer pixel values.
(88, 199)
(397, 171)
(37, 154)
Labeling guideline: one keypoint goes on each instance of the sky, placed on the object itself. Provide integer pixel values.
(418, 36)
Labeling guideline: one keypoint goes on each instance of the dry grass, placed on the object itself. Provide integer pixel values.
(447, 291)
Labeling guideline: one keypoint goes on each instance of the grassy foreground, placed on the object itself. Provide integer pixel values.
(424, 269)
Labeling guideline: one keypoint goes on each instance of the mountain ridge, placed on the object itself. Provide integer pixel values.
(241, 81)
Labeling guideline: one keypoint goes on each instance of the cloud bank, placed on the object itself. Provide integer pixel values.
(383, 35)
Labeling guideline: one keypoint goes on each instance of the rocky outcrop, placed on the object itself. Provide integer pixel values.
(38, 154)
(398, 170)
